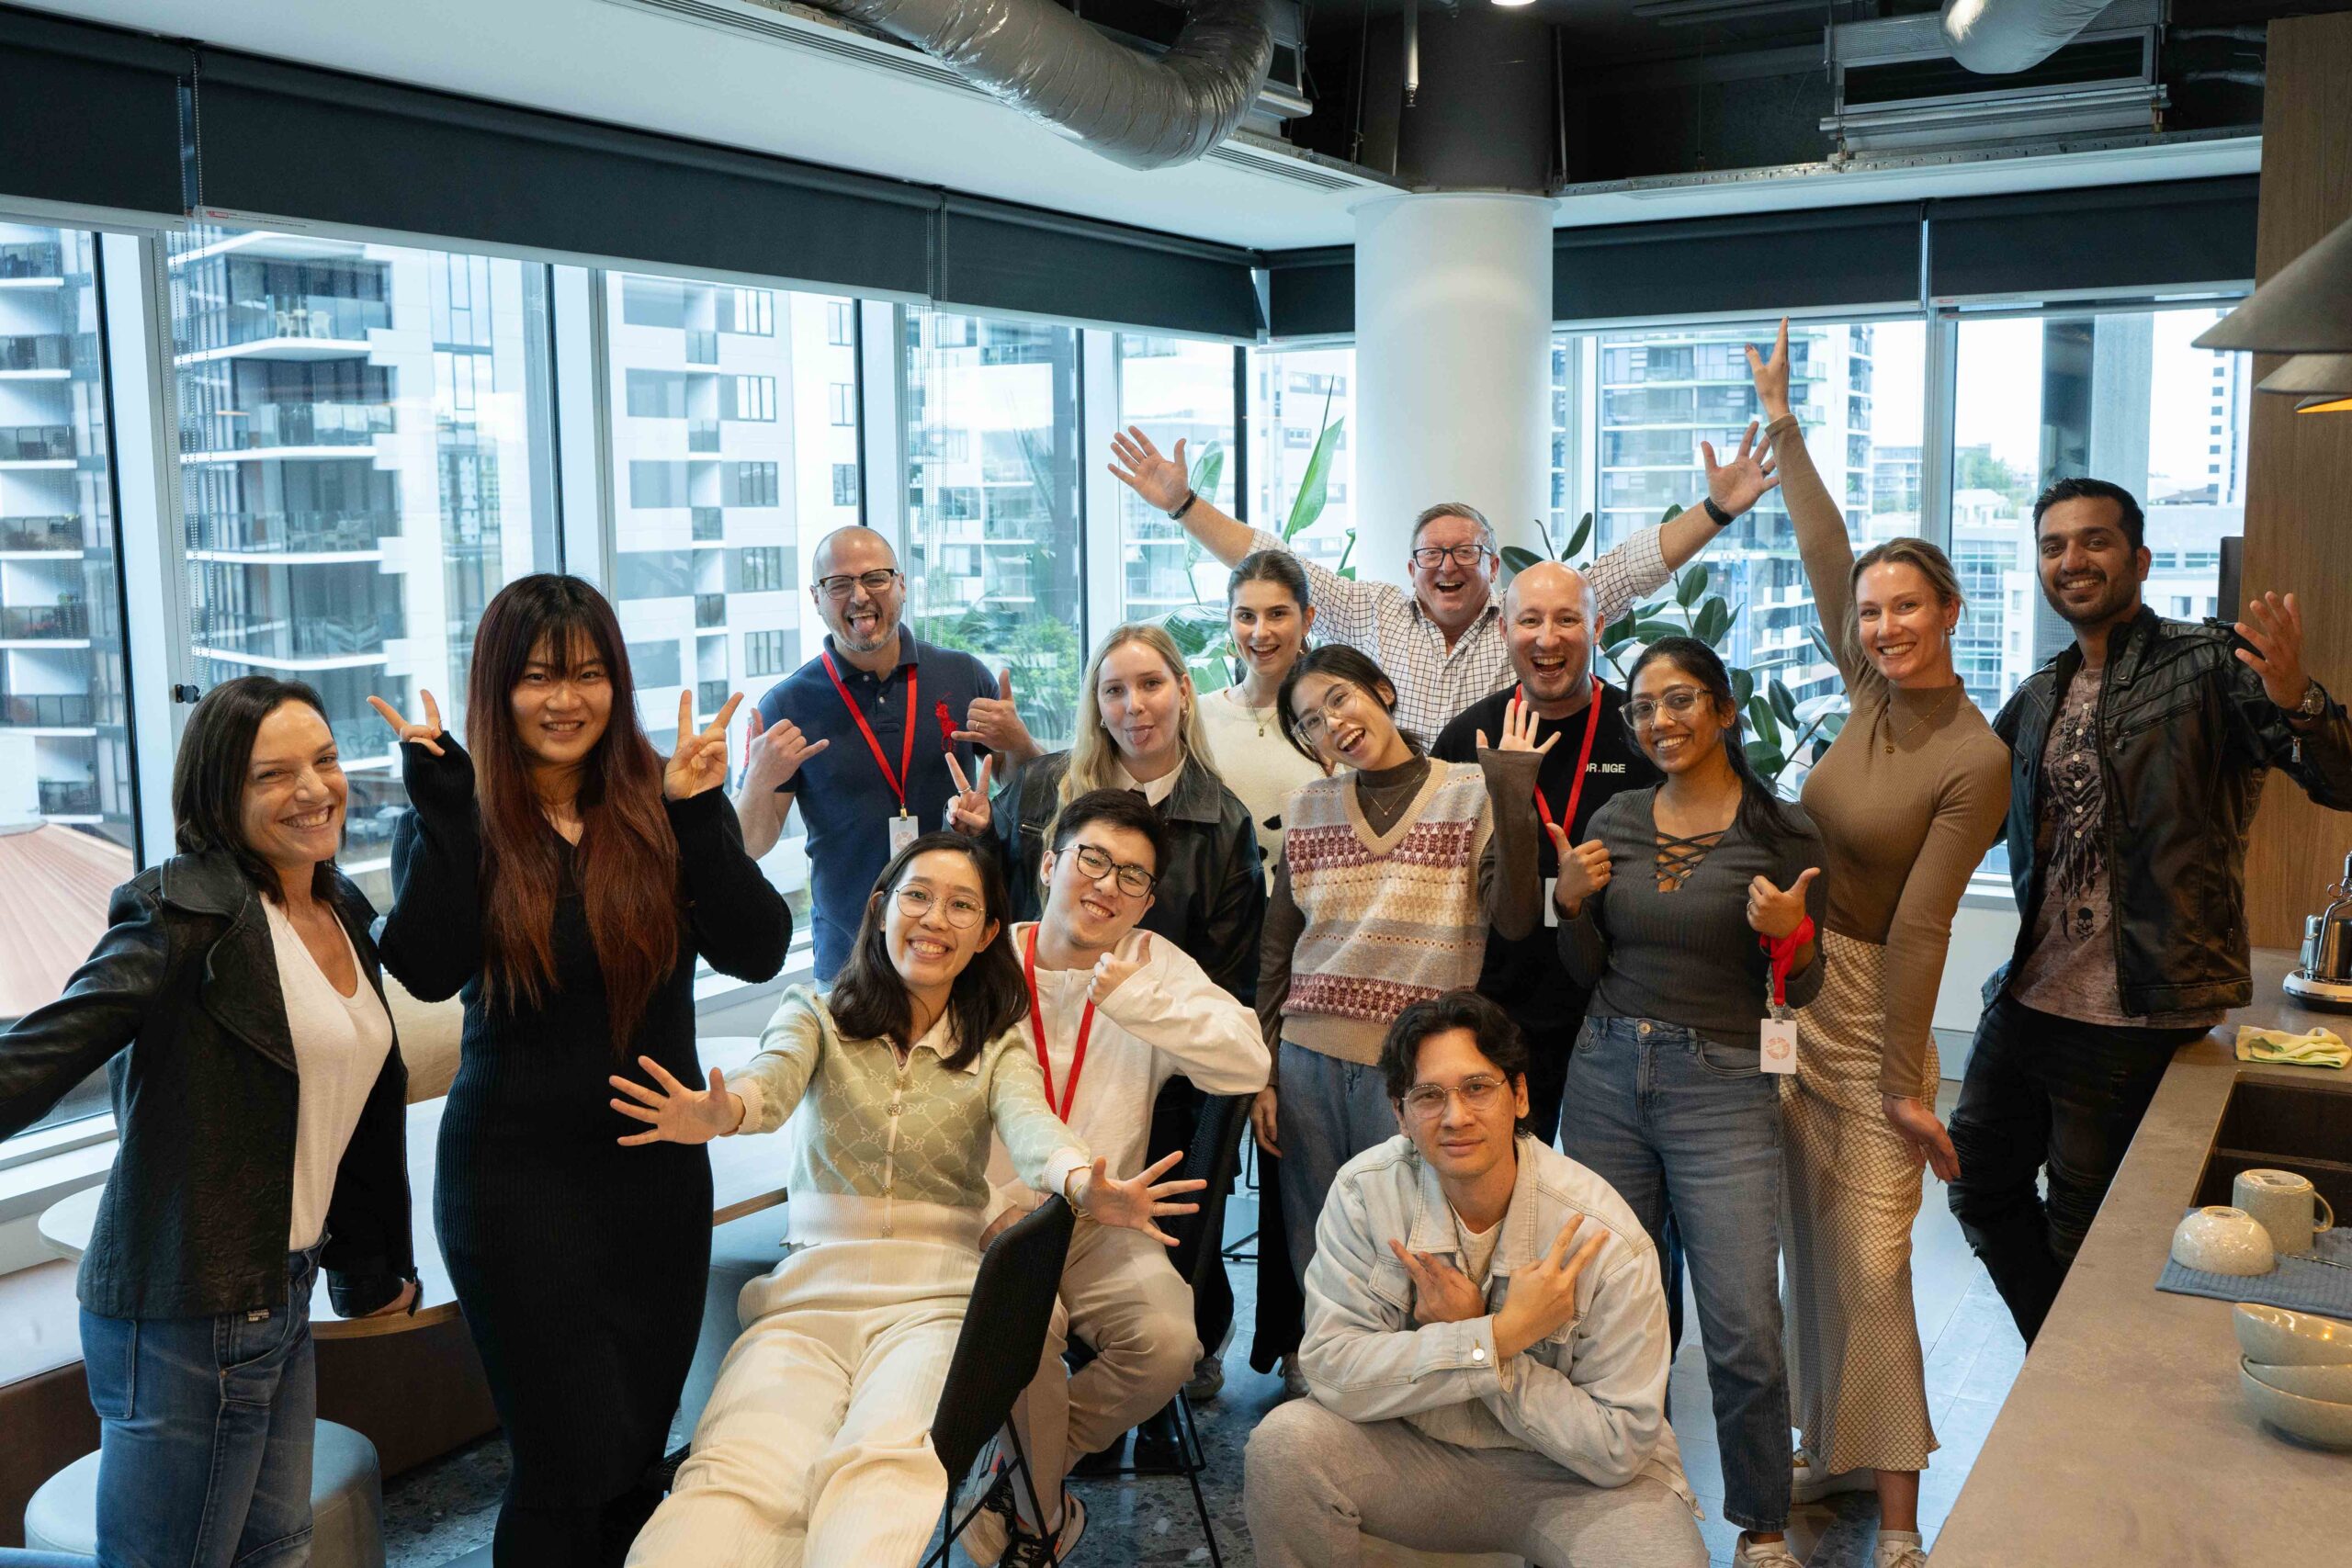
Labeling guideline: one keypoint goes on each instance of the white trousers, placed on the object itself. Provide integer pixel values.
(816, 1446)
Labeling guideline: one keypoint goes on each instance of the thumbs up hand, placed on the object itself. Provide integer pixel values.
(995, 723)
(1773, 913)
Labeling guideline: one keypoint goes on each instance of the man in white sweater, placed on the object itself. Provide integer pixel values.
(1115, 1014)
(1485, 1340)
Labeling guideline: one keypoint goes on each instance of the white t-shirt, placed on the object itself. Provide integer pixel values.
(340, 1043)
(1258, 765)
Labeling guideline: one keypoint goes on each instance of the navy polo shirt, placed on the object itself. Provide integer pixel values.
(845, 804)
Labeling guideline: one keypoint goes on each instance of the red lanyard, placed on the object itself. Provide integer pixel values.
(1584, 757)
(1037, 1027)
(906, 752)
(1782, 953)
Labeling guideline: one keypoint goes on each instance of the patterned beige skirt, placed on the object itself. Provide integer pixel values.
(1849, 1191)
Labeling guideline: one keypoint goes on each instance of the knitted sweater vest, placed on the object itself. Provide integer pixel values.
(1391, 919)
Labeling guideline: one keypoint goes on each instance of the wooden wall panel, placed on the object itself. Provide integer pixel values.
(2299, 484)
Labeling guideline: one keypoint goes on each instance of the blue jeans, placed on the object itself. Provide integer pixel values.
(1670, 1119)
(206, 1423)
(1326, 1111)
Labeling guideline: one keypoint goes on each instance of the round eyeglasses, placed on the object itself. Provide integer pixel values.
(962, 910)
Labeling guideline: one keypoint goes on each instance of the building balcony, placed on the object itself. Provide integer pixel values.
(42, 353)
(59, 798)
(41, 534)
(65, 710)
(269, 426)
(44, 622)
(701, 348)
(300, 638)
(291, 533)
(37, 444)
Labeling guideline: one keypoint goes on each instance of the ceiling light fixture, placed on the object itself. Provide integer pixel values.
(2305, 308)
(1512, 4)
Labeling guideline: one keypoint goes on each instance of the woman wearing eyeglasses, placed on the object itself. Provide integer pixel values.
(1687, 902)
(816, 1445)
(1392, 869)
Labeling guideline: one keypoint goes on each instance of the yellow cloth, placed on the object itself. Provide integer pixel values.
(2317, 1048)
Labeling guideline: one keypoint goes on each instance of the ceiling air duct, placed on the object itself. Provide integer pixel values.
(1144, 112)
(1998, 37)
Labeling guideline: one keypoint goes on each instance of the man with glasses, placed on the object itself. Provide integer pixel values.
(874, 737)
(1485, 1340)
(1115, 1014)
(1442, 642)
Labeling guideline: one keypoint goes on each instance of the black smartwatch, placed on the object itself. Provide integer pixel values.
(1181, 507)
(1716, 514)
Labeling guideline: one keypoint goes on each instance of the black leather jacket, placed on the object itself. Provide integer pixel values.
(194, 1218)
(2187, 737)
(1211, 900)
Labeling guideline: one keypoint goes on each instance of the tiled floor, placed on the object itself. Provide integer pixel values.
(444, 1509)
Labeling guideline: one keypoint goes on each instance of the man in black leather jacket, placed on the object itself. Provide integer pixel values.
(2139, 755)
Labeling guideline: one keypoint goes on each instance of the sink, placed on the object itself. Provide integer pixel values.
(2270, 1125)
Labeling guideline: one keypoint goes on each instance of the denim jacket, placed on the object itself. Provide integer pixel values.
(1591, 1398)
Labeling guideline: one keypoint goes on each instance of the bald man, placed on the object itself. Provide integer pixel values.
(837, 734)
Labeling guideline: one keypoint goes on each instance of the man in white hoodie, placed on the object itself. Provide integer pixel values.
(1114, 1013)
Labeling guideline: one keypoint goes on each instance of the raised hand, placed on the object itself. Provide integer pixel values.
(1585, 868)
(995, 722)
(674, 1113)
(969, 813)
(1519, 723)
(1739, 484)
(1159, 480)
(1263, 1121)
(773, 755)
(425, 732)
(1139, 1201)
(1771, 376)
(698, 762)
(1543, 1296)
(1774, 913)
(2275, 627)
(1112, 970)
(1441, 1293)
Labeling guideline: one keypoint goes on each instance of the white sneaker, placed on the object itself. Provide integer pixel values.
(1899, 1549)
(1754, 1553)
(984, 1539)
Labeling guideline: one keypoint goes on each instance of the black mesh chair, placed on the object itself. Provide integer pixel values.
(997, 1354)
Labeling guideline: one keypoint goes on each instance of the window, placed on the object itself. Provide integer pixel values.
(1293, 394)
(654, 665)
(1175, 389)
(748, 398)
(767, 653)
(366, 459)
(840, 323)
(652, 484)
(67, 829)
(751, 312)
(657, 394)
(760, 571)
(842, 400)
(750, 484)
(844, 484)
(1001, 580)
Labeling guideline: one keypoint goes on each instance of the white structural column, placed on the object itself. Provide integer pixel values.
(1454, 365)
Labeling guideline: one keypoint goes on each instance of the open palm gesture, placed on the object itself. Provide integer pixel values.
(673, 1112)
(1141, 1200)
(1139, 466)
(1520, 724)
(1739, 484)
(698, 762)
(425, 732)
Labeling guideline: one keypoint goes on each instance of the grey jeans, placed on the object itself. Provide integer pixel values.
(1315, 1483)
(1326, 1111)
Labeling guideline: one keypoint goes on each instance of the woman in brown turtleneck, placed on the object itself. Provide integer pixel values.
(1907, 799)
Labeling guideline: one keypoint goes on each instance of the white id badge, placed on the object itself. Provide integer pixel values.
(904, 831)
(1551, 909)
(1778, 1048)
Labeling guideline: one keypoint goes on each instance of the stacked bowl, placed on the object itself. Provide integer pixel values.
(2296, 1372)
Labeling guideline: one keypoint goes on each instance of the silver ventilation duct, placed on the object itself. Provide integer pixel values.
(1144, 112)
(1996, 38)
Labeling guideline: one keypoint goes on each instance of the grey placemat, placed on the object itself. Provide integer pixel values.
(2300, 1284)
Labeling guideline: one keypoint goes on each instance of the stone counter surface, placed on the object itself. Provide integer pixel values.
(2124, 1440)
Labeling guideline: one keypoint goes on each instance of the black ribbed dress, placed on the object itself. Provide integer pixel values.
(581, 1265)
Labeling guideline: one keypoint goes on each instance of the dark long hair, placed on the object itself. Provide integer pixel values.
(1278, 566)
(1341, 663)
(209, 776)
(627, 860)
(869, 1000)
(1762, 816)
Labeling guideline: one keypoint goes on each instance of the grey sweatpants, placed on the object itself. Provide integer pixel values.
(1315, 1483)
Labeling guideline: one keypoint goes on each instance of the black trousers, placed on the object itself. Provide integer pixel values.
(2043, 1090)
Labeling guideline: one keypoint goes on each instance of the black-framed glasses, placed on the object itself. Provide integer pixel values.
(875, 582)
(1094, 865)
(962, 910)
(1426, 1101)
(1640, 713)
(1428, 558)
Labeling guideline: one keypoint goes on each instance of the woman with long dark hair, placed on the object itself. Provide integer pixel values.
(258, 1098)
(816, 1445)
(562, 878)
(1692, 902)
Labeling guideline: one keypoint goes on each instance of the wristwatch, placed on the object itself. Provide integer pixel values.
(1176, 514)
(1720, 518)
(2315, 701)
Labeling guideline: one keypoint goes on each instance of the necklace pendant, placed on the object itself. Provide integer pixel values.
(1889, 748)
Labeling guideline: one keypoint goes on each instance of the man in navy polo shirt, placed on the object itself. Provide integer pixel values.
(870, 738)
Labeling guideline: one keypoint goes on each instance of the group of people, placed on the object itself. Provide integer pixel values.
(1541, 997)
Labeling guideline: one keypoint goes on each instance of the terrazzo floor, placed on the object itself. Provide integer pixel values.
(441, 1511)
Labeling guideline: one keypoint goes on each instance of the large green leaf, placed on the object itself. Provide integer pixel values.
(1519, 558)
(1691, 586)
(1650, 631)
(1766, 760)
(1307, 504)
(1207, 469)
(1715, 620)
(1783, 704)
(1760, 719)
(1821, 642)
(1743, 687)
(1576, 539)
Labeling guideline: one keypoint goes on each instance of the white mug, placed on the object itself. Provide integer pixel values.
(2290, 1208)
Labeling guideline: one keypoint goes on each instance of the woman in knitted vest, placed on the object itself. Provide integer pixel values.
(1392, 870)
(816, 1445)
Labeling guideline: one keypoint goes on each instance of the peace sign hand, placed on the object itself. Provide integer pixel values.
(698, 762)
(1133, 1204)
(969, 813)
(1441, 1293)
(1543, 1296)
(1159, 480)
(426, 732)
(1519, 723)
(1739, 484)
(1771, 376)
(676, 1113)
(1115, 967)
(1773, 913)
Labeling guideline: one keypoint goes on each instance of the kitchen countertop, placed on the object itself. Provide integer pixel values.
(2125, 1439)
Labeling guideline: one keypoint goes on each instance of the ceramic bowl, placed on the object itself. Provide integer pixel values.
(2275, 1337)
(2221, 1240)
(2317, 1421)
(2333, 1384)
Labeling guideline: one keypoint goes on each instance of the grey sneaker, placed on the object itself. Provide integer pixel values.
(1209, 1378)
(1028, 1550)
(984, 1539)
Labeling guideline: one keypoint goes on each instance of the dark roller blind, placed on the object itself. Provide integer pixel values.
(1763, 262)
(89, 115)
(996, 257)
(1311, 293)
(2121, 238)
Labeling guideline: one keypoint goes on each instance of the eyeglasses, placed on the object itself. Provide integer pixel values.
(1426, 1101)
(1312, 723)
(875, 582)
(962, 910)
(1094, 865)
(1428, 558)
(1641, 712)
